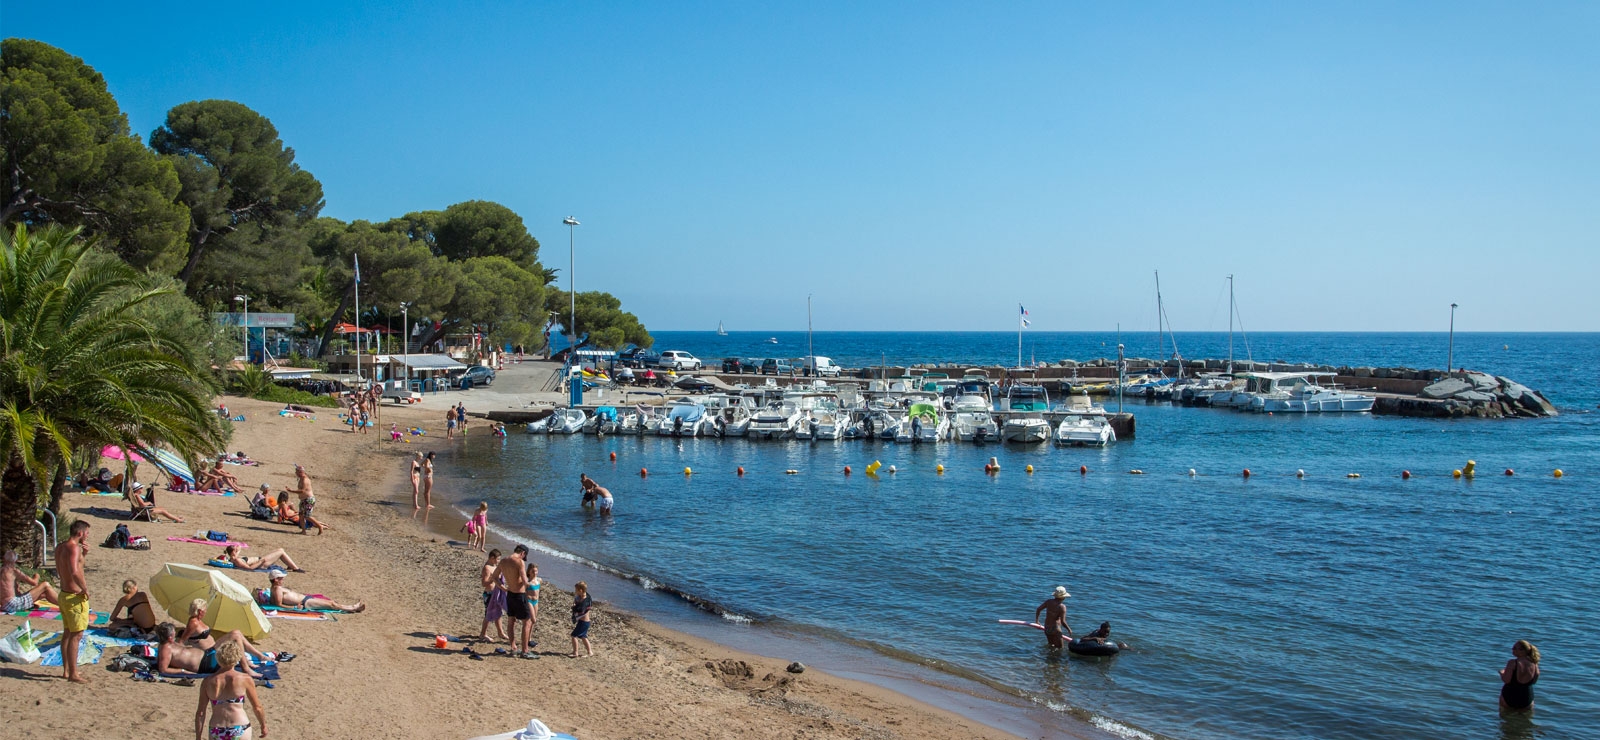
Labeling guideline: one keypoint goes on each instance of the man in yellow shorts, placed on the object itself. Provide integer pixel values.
(74, 597)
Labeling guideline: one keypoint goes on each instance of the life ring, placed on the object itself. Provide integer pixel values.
(1093, 649)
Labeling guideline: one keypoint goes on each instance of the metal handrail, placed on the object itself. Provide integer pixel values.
(53, 530)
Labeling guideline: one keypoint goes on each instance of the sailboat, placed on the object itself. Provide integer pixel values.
(721, 332)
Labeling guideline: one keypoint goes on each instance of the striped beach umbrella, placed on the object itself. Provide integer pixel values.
(170, 463)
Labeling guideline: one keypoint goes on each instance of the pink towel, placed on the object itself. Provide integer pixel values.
(212, 543)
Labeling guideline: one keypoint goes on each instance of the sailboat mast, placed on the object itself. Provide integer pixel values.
(809, 352)
(1230, 324)
(1161, 336)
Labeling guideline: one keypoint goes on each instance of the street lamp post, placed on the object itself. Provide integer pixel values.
(246, 324)
(576, 389)
(1450, 359)
(405, 340)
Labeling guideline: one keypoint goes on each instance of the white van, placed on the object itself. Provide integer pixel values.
(819, 367)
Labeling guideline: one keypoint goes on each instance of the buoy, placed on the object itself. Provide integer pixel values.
(643, 472)
(791, 472)
(891, 469)
(1405, 475)
(1247, 472)
(1509, 472)
(1455, 473)
(939, 469)
(993, 466)
(847, 470)
(1352, 475)
(1558, 473)
(687, 471)
(1470, 469)
(1029, 468)
(1192, 473)
(1083, 470)
(613, 457)
(872, 467)
(741, 470)
(1136, 471)
(1301, 473)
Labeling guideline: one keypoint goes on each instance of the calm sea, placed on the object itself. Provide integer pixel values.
(1274, 607)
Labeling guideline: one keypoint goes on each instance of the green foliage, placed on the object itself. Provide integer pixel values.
(252, 381)
(69, 158)
(601, 320)
(475, 228)
(236, 172)
(80, 367)
(275, 393)
(501, 298)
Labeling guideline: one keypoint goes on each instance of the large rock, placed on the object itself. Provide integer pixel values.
(1446, 388)
(1483, 382)
(1474, 397)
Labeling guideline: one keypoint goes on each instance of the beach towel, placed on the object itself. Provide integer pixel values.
(301, 616)
(219, 563)
(91, 646)
(100, 493)
(206, 542)
(111, 513)
(97, 618)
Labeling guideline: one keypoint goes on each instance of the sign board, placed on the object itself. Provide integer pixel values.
(257, 320)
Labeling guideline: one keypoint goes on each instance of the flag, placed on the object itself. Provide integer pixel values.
(1024, 315)
(358, 268)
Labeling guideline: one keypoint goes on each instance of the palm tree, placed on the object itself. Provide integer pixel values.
(79, 368)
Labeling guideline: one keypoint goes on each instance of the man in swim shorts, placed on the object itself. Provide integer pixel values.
(174, 657)
(74, 597)
(1055, 617)
(513, 571)
(13, 598)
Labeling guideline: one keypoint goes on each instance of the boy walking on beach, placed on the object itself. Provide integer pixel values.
(74, 597)
(513, 572)
(494, 597)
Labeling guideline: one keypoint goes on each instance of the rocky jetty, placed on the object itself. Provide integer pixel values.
(1482, 395)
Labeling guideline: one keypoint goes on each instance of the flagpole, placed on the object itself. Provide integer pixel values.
(357, 278)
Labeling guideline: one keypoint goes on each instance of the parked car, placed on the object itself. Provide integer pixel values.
(638, 357)
(473, 376)
(820, 367)
(775, 366)
(741, 365)
(677, 359)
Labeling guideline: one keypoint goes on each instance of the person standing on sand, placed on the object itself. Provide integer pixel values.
(427, 480)
(308, 499)
(375, 401)
(224, 693)
(494, 597)
(1518, 678)
(450, 423)
(581, 604)
(74, 601)
(461, 418)
(514, 574)
(416, 482)
(1055, 617)
(535, 583)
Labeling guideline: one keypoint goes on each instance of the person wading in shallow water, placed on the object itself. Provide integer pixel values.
(1518, 677)
(1055, 617)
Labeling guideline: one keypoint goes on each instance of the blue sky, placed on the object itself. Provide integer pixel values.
(922, 165)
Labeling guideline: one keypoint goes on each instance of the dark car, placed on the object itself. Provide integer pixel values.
(638, 357)
(473, 376)
(774, 366)
(740, 365)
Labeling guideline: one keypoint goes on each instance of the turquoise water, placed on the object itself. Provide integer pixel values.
(1273, 607)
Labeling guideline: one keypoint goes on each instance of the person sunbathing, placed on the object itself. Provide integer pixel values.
(286, 598)
(138, 503)
(245, 562)
(287, 514)
(140, 613)
(217, 479)
(172, 657)
(198, 634)
(12, 579)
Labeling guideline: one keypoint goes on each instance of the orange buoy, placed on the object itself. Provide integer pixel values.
(741, 470)
(1405, 475)
(1083, 470)
(643, 472)
(1509, 471)
(613, 457)
(1247, 472)
(847, 470)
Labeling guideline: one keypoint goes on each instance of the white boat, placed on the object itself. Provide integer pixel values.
(823, 417)
(1086, 430)
(602, 421)
(541, 426)
(776, 420)
(566, 421)
(684, 418)
(721, 332)
(1026, 423)
(1297, 393)
(729, 413)
(926, 424)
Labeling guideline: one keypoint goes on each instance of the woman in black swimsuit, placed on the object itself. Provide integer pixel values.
(1518, 677)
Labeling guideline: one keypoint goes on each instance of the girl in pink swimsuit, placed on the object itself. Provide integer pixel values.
(477, 527)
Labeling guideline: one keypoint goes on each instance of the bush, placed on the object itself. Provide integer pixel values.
(281, 394)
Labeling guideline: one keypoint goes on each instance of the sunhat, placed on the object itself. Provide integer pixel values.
(1061, 592)
(274, 574)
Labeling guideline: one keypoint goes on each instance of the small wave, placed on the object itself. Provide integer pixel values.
(1119, 729)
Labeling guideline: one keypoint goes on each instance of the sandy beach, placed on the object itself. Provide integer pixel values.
(377, 674)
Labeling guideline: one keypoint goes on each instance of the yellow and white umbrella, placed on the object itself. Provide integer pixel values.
(229, 605)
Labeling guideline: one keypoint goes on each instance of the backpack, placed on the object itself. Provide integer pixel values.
(118, 539)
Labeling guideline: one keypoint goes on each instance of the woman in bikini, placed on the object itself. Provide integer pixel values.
(534, 584)
(244, 562)
(427, 480)
(140, 613)
(1518, 677)
(223, 694)
(416, 482)
(197, 634)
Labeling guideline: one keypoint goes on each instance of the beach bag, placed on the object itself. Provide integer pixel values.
(138, 542)
(118, 539)
(216, 536)
(18, 646)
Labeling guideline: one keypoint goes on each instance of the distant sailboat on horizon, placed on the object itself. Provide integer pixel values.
(721, 332)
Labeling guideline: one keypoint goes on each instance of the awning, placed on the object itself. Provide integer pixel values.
(428, 362)
(350, 329)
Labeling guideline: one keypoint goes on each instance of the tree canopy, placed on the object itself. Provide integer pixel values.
(601, 320)
(69, 158)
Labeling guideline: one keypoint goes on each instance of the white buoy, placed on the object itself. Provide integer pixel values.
(1192, 473)
(1300, 473)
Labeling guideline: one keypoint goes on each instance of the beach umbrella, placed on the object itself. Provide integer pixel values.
(229, 605)
(114, 452)
(168, 462)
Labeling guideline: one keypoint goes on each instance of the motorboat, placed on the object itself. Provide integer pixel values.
(823, 417)
(1026, 423)
(1298, 393)
(566, 421)
(730, 421)
(776, 420)
(924, 424)
(1085, 430)
(541, 426)
(973, 425)
(602, 421)
(684, 418)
